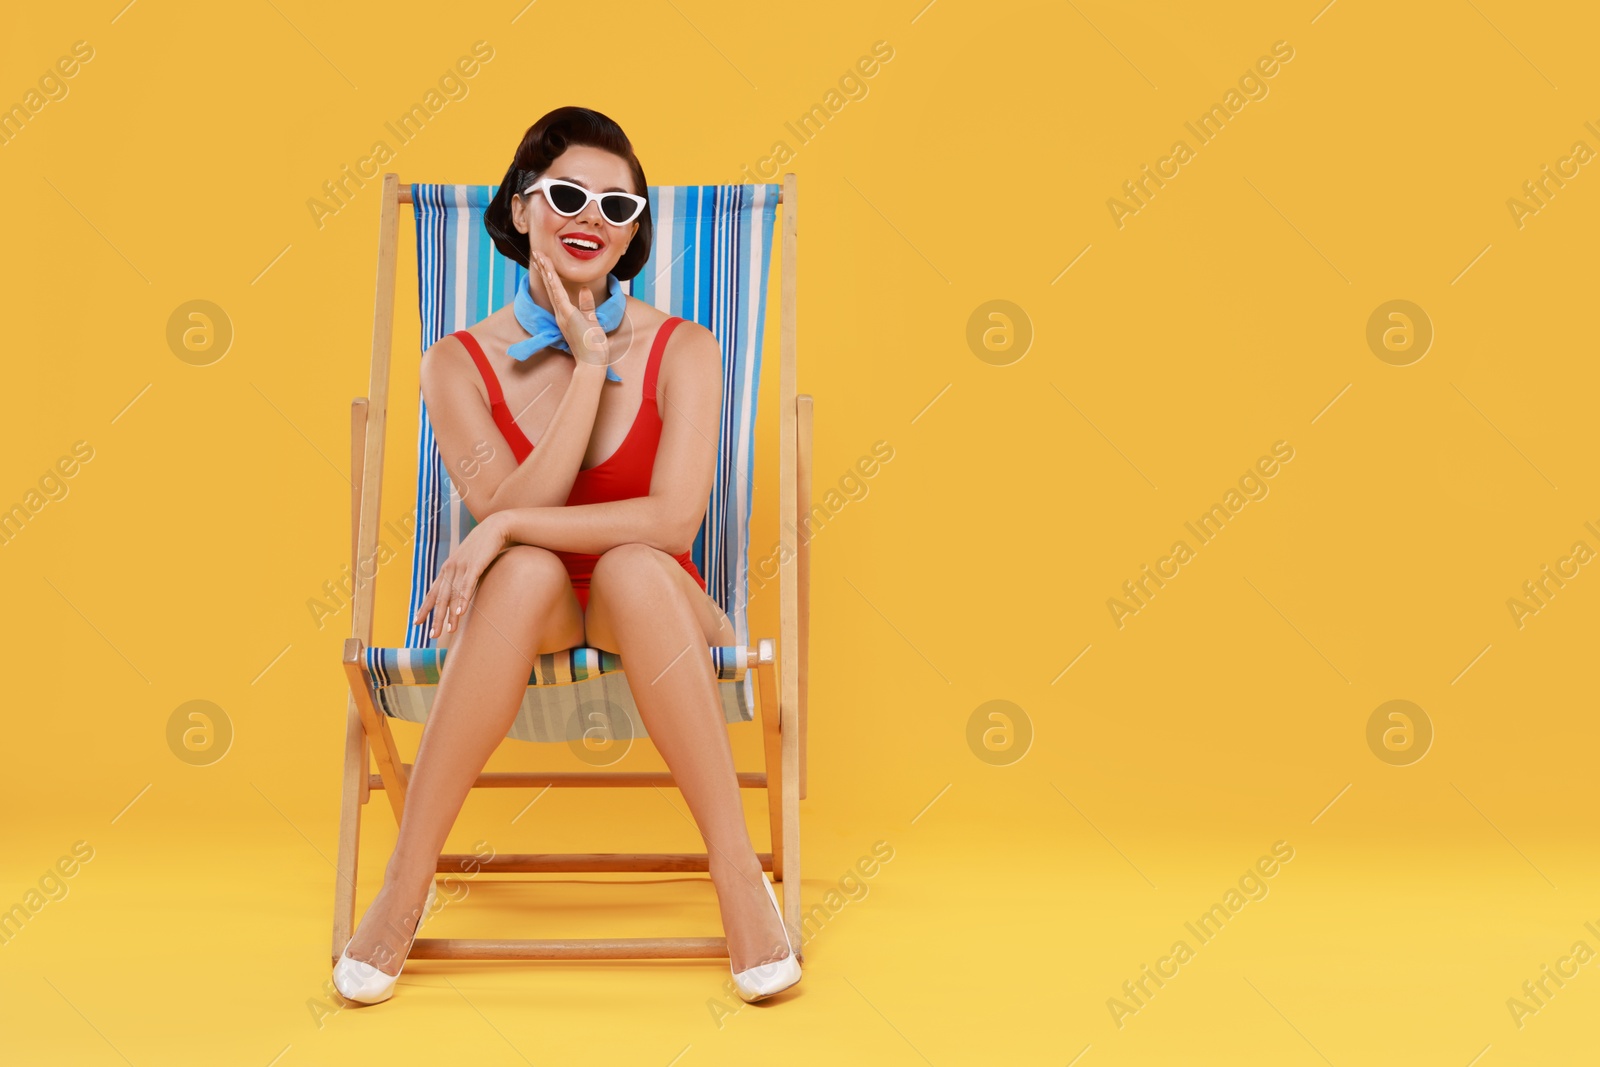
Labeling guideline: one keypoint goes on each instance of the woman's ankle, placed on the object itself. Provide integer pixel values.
(409, 875)
(741, 864)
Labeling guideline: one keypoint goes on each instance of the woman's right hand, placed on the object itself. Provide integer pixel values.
(580, 326)
(457, 582)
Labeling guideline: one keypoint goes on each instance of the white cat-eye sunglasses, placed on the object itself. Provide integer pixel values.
(567, 198)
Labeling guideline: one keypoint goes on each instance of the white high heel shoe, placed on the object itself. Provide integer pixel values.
(763, 980)
(364, 983)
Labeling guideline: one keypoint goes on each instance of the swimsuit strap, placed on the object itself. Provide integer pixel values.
(520, 445)
(470, 343)
(653, 366)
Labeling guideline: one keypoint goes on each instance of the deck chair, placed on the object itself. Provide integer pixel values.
(710, 263)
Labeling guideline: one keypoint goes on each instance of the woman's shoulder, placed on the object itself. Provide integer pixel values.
(687, 335)
(446, 356)
(691, 359)
(447, 364)
(449, 353)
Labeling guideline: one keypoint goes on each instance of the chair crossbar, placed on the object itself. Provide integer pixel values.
(594, 862)
(591, 779)
(604, 948)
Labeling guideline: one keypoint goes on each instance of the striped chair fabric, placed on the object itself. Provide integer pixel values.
(710, 263)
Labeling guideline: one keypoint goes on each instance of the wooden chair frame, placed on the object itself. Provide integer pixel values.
(781, 675)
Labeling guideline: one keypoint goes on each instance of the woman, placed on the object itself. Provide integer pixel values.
(600, 414)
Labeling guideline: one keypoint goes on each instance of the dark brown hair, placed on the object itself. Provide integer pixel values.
(541, 145)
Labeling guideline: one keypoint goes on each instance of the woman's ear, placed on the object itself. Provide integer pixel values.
(519, 214)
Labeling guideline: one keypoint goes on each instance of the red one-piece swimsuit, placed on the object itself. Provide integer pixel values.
(624, 474)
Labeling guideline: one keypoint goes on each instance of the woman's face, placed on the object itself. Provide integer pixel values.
(598, 171)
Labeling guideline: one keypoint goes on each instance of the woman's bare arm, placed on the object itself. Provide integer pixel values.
(546, 477)
(486, 474)
(680, 486)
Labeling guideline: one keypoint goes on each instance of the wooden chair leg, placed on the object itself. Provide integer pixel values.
(358, 455)
(788, 850)
(773, 748)
(366, 764)
(790, 436)
(351, 798)
(390, 767)
(803, 413)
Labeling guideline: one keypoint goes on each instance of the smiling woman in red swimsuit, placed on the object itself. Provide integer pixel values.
(624, 474)
(586, 504)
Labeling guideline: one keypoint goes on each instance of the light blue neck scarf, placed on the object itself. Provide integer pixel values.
(546, 332)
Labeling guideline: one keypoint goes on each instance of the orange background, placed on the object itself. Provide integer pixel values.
(1162, 758)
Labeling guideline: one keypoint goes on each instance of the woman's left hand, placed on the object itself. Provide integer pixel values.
(458, 578)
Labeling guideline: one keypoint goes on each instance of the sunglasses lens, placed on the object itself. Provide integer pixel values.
(565, 198)
(618, 209)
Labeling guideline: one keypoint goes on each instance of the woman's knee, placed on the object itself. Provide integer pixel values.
(630, 562)
(528, 570)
